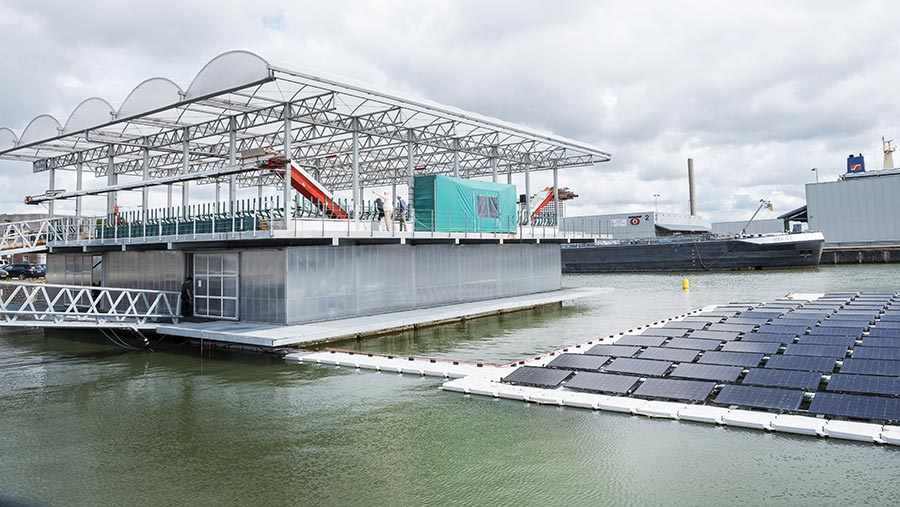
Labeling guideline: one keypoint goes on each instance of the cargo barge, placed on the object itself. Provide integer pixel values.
(697, 253)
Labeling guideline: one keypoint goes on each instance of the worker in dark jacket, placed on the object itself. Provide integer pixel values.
(187, 298)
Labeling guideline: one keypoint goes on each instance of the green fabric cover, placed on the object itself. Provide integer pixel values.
(445, 204)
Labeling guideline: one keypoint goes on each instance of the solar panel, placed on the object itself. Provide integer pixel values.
(740, 328)
(760, 397)
(602, 383)
(685, 325)
(760, 347)
(660, 331)
(796, 349)
(886, 353)
(792, 379)
(768, 337)
(801, 363)
(682, 390)
(760, 314)
(731, 358)
(578, 362)
(666, 354)
(641, 341)
(747, 320)
(866, 317)
(880, 341)
(823, 339)
(638, 366)
(856, 406)
(869, 384)
(691, 343)
(877, 331)
(889, 324)
(707, 372)
(612, 350)
(537, 377)
(719, 313)
(715, 335)
(703, 318)
(783, 329)
(890, 317)
(871, 367)
(798, 320)
(855, 324)
(838, 331)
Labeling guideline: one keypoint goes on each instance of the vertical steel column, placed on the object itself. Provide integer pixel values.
(456, 158)
(169, 196)
(51, 204)
(410, 172)
(494, 164)
(527, 190)
(111, 179)
(355, 165)
(232, 161)
(556, 193)
(288, 152)
(79, 168)
(185, 166)
(145, 175)
(218, 192)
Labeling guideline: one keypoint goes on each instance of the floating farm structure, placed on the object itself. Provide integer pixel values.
(294, 253)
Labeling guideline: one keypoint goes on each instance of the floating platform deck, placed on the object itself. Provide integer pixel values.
(268, 335)
(825, 365)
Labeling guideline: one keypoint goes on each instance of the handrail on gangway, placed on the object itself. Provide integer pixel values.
(53, 305)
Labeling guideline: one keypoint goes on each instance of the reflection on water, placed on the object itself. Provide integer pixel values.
(85, 423)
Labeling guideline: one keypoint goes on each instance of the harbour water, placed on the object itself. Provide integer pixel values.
(85, 423)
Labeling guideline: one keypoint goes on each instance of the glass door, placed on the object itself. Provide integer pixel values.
(216, 285)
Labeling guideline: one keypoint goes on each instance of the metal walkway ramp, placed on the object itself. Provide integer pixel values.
(72, 306)
(27, 236)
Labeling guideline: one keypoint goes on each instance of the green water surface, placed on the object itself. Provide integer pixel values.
(85, 423)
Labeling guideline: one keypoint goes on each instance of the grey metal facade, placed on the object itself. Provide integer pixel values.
(335, 282)
(856, 210)
(152, 270)
(263, 282)
(627, 226)
(755, 227)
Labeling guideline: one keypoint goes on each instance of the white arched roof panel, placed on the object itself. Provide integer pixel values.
(227, 71)
(7, 139)
(90, 113)
(40, 128)
(152, 94)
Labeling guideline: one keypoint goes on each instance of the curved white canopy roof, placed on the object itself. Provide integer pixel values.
(240, 90)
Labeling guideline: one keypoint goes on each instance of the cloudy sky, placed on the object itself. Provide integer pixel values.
(756, 92)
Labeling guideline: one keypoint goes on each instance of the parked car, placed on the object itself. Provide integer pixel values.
(4, 274)
(22, 271)
(41, 269)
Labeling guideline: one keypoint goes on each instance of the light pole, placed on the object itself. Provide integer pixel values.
(815, 170)
(655, 203)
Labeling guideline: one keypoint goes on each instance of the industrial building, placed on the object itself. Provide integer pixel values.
(758, 226)
(633, 226)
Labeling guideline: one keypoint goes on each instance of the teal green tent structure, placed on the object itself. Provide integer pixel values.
(445, 204)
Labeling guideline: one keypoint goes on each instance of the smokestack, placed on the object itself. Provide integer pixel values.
(693, 197)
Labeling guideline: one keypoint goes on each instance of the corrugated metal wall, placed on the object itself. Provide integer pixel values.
(152, 270)
(856, 210)
(333, 282)
(262, 286)
(766, 226)
(69, 269)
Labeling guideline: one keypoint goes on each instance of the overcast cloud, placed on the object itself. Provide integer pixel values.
(756, 92)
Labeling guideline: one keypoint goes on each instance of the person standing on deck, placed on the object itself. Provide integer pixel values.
(187, 298)
(401, 212)
(388, 212)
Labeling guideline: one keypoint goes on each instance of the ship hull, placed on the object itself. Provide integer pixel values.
(733, 254)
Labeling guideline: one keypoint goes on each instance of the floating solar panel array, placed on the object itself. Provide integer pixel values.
(837, 357)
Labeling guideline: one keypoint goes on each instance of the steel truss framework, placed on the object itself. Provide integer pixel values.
(341, 131)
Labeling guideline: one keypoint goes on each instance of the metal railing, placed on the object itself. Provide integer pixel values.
(29, 304)
(24, 237)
